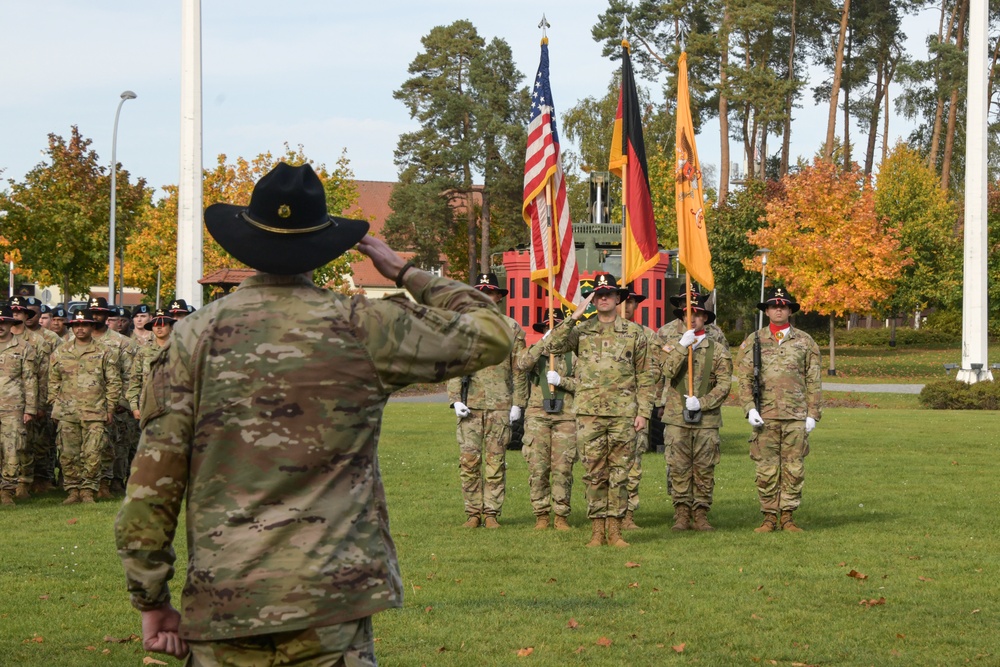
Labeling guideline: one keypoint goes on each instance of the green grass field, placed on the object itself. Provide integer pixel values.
(902, 497)
(904, 365)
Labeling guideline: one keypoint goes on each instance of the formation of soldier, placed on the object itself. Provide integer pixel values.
(70, 388)
(596, 382)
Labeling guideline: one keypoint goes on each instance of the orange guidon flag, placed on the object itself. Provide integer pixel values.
(628, 150)
(692, 237)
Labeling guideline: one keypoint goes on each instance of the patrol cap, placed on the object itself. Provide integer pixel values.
(160, 318)
(779, 297)
(82, 316)
(7, 316)
(699, 304)
(487, 282)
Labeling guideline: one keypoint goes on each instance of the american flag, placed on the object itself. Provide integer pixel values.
(542, 165)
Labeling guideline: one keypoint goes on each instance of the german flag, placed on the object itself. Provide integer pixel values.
(628, 156)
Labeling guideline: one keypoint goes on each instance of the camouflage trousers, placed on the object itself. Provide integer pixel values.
(40, 451)
(11, 448)
(348, 644)
(635, 472)
(550, 450)
(692, 454)
(779, 449)
(81, 450)
(118, 457)
(482, 460)
(607, 446)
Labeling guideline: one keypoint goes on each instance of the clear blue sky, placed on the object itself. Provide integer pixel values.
(310, 72)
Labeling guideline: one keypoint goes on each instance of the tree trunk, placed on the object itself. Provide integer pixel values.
(747, 141)
(885, 117)
(724, 108)
(835, 90)
(470, 221)
(786, 135)
(847, 103)
(939, 112)
(833, 367)
(993, 69)
(484, 252)
(873, 125)
(949, 139)
(67, 297)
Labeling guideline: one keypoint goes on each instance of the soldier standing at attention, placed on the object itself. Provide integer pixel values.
(85, 383)
(263, 421)
(486, 405)
(178, 309)
(45, 318)
(549, 443)
(160, 327)
(632, 301)
(140, 316)
(18, 402)
(785, 412)
(692, 444)
(614, 393)
(57, 324)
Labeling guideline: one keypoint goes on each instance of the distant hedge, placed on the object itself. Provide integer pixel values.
(905, 337)
(955, 395)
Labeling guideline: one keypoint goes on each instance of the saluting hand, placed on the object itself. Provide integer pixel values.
(582, 308)
(386, 260)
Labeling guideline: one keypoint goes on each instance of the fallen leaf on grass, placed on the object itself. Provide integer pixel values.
(900, 636)
(841, 564)
(579, 650)
(631, 564)
(756, 617)
(90, 648)
(872, 603)
(601, 594)
(572, 624)
(70, 522)
(974, 611)
(43, 597)
(913, 557)
(430, 575)
(525, 652)
(551, 580)
(634, 584)
(152, 661)
(36, 639)
(760, 588)
(603, 641)
(427, 609)
(106, 651)
(679, 648)
(857, 575)
(924, 579)
(894, 653)
(442, 649)
(802, 664)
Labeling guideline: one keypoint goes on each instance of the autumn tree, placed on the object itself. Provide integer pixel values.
(909, 198)
(57, 218)
(828, 245)
(154, 246)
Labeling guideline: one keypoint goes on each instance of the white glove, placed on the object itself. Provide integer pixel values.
(687, 339)
(553, 378)
(515, 413)
(692, 403)
(461, 409)
(754, 418)
(810, 424)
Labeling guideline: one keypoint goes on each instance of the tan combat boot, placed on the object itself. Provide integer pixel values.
(104, 492)
(597, 538)
(701, 520)
(787, 523)
(6, 498)
(471, 522)
(22, 492)
(542, 522)
(87, 496)
(770, 524)
(628, 523)
(73, 497)
(615, 538)
(491, 521)
(561, 523)
(682, 518)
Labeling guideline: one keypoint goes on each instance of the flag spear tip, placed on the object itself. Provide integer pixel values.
(544, 24)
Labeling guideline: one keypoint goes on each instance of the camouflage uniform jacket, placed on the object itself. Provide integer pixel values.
(84, 381)
(673, 330)
(140, 370)
(790, 373)
(125, 349)
(18, 381)
(535, 363)
(674, 364)
(497, 387)
(265, 418)
(43, 348)
(614, 375)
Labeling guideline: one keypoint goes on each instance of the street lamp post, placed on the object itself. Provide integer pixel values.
(127, 95)
(763, 252)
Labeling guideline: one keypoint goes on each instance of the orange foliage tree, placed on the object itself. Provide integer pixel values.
(154, 246)
(827, 244)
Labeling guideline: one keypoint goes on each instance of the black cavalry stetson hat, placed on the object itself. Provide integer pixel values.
(160, 318)
(632, 294)
(286, 228)
(680, 299)
(699, 303)
(98, 304)
(82, 316)
(543, 325)
(779, 297)
(7, 316)
(605, 282)
(487, 282)
(177, 306)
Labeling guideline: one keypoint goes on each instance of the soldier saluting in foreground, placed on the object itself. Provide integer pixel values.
(266, 429)
(783, 406)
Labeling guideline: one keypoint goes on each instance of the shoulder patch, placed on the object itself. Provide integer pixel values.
(743, 345)
(668, 348)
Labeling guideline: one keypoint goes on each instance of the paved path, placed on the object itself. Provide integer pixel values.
(827, 386)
